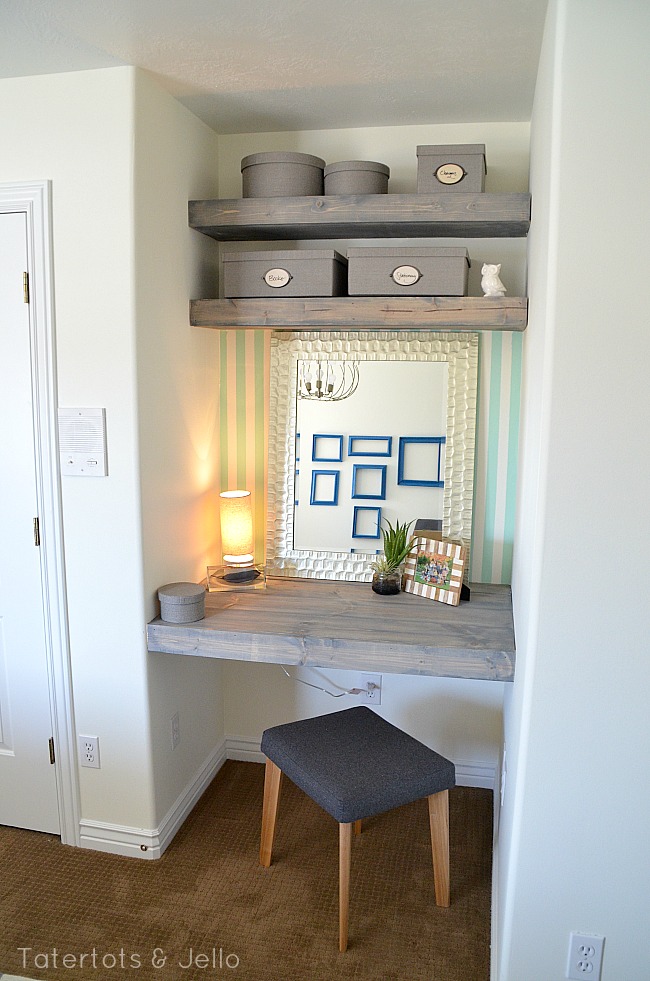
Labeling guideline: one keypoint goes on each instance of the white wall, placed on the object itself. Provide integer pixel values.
(460, 718)
(77, 130)
(122, 259)
(574, 831)
(177, 380)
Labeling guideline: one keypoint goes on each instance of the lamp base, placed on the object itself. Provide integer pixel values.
(230, 577)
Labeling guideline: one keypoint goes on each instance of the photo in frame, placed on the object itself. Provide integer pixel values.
(435, 570)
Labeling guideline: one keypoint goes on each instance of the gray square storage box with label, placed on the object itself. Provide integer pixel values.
(451, 167)
(308, 272)
(416, 271)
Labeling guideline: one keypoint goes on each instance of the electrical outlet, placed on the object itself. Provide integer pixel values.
(89, 751)
(585, 956)
(176, 730)
(368, 687)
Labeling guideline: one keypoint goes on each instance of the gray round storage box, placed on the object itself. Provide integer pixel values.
(271, 175)
(182, 602)
(356, 177)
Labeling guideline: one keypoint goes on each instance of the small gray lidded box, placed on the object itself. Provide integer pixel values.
(417, 271)
(296, 272)
(451, 167)
(356, 177)
(182, 602)
(281, 174)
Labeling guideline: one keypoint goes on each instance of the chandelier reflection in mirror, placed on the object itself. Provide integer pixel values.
(329, 381)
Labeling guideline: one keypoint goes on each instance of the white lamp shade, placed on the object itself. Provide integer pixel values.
(236, 526)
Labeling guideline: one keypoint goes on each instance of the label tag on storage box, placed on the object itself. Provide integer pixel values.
(406, 275)
(450, 173)
(277, 277)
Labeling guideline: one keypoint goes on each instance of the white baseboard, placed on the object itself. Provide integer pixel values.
(119, 839)
(470, 773)
(244, 749)
(496, 825)
(494, 919)
(150, 843)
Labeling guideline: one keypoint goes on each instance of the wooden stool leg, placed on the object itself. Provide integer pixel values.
(439, 823)
(345, 848)
(272, 776)
(357, 827)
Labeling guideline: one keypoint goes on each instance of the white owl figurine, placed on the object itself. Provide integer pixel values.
(490, 282)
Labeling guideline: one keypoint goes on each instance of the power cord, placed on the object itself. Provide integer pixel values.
(349, 691)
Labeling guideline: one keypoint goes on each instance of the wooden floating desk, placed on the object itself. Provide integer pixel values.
(327, 624)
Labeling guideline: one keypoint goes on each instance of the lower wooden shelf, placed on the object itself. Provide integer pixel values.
(319, 623)
(462, 313)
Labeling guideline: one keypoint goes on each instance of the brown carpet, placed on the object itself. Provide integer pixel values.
(207, 897)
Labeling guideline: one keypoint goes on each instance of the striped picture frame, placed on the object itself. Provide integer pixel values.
(435, 570)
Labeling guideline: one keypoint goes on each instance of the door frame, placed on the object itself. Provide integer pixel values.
(35, 199)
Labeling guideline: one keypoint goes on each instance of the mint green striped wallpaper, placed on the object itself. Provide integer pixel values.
(243, 419)
(244, 426)
(497, 447)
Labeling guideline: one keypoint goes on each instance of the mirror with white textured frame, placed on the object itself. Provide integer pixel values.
(400, 446)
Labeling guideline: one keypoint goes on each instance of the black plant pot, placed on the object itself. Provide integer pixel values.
(387, 583)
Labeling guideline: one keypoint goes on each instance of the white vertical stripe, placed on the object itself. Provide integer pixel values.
(251, 411)
(485, 364)
(502, 458)
(231, 381)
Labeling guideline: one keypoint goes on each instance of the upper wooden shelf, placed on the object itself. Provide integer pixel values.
(460, 313)
(458, 215)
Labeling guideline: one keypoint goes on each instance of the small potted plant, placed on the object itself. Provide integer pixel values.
(387, 569)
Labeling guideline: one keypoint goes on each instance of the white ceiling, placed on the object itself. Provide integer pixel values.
(273, 65)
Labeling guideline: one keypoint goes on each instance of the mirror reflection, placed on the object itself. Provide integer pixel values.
(377, 453)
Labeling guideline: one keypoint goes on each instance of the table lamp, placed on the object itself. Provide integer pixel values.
(238, 570)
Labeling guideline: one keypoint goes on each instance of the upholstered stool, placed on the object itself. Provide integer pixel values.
(355, 765)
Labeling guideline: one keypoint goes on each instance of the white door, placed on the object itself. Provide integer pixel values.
(28, 793)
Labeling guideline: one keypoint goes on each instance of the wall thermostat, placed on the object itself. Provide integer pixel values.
(82, 442)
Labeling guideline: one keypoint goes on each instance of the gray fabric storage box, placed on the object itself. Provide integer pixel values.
(308, 272)
(182, 602)
(356, 177)
(451, 167)
(270, 175)
(417, 271)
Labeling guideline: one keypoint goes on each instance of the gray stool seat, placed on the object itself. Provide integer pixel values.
(355, 765)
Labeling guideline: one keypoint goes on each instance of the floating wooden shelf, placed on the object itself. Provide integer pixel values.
(319, 623)
(457, 214)
(454, 214)
(460, 313)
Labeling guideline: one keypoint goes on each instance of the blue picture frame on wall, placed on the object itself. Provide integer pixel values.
(357, 519)
(357, 475)
(315, 451)
(435, 480)
(330, 500)
(386, 450)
